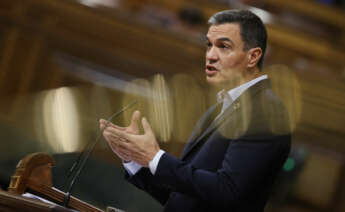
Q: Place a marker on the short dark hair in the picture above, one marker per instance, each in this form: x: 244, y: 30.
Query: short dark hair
x: 253, y: 31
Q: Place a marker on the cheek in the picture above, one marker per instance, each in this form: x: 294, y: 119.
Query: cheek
x: 233, y: 61
x: 228, y: 62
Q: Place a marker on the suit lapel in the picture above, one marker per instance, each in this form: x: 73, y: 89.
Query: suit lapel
x: 226, y: 115
x: 201, y: 126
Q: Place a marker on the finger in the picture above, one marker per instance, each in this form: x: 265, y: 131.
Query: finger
x: 117, y: 127
x: 106, y: 135
x: 101, y: 126
x: 119, y: 145
x: 122, y: 153
x: 117, y: 139
x: 146, y: 125
x: 125, y: 136
x: 109, y: 135
x: 113, y: 139
x: 118, y: 133
x: 103, y: 121
x: 108, y: 124
x: 134, y: 126
x: 123, y: 146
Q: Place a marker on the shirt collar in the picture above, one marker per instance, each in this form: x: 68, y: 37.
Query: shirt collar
x: 236, y: 92
x: 233, y: 94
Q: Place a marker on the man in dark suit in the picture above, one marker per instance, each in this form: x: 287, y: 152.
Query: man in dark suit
x: 238, y: 146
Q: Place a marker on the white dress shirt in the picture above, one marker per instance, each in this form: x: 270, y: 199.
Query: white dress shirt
x: 226, y: 97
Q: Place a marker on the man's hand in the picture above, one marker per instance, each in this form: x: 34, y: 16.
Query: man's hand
x: 140, y: 148
x: 112, y: 139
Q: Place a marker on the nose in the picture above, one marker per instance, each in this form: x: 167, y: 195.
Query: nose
x: 211, y: 55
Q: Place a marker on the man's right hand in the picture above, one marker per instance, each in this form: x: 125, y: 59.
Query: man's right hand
x: 112, y: 139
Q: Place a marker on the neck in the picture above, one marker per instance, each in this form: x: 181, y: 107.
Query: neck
x: 247, y: 76
x: 250, y: 75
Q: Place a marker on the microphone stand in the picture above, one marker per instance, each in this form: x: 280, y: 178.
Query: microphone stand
x: 88, y: 153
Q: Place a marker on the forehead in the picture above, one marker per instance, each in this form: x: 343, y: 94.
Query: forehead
x: 229, y: 30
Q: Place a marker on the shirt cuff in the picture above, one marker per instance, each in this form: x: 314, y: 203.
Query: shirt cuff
x: 154, y: 162
x: 132, y: 167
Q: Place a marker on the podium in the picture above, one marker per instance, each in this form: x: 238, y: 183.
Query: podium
x: 13, y: 203
x: 33, y: 174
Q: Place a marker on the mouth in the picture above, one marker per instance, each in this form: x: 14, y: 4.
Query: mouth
x: 210, y: 70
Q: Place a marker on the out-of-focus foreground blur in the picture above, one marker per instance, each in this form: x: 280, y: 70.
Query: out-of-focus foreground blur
x: 66, y: 63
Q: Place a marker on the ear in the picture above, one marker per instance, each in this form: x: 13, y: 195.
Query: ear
x: 254, y: 55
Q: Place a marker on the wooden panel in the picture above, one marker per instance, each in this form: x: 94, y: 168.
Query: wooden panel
x: 11, y: 203
x: 120, y: 42
x: 330, y: 15
x: 286, y: 37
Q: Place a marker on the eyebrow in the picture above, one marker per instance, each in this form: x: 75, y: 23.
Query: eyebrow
x: 226, y: 39
x: 221, y: 40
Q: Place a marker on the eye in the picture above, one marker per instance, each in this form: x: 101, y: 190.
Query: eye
x: 208, y: 44
x: 224, y: 46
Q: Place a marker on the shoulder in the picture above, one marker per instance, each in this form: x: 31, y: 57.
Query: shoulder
x: 271, y: 112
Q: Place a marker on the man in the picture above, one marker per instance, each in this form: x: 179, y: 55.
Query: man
x: 232, y: 156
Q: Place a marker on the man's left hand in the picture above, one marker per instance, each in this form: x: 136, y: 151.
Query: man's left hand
x: 140, y: 148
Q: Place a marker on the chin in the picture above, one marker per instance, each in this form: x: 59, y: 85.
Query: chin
x: 210, y: 80
x: 213, y: 81
x: 218, y: 83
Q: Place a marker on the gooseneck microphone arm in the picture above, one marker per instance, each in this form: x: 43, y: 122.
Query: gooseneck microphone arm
x: 88, y: 153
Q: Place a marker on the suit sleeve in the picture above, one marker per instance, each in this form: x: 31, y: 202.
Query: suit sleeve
x: 246, y: 165
x: 144, y: 180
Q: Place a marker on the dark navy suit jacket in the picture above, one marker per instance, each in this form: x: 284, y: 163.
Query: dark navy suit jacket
x: 229, y: 164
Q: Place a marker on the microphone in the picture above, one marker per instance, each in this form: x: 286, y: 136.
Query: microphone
x: 81, y: 163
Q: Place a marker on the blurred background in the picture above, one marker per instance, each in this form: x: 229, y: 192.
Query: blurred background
x: 64, y: 64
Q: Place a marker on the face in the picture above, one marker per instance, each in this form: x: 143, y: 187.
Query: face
x: 226, y: 61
